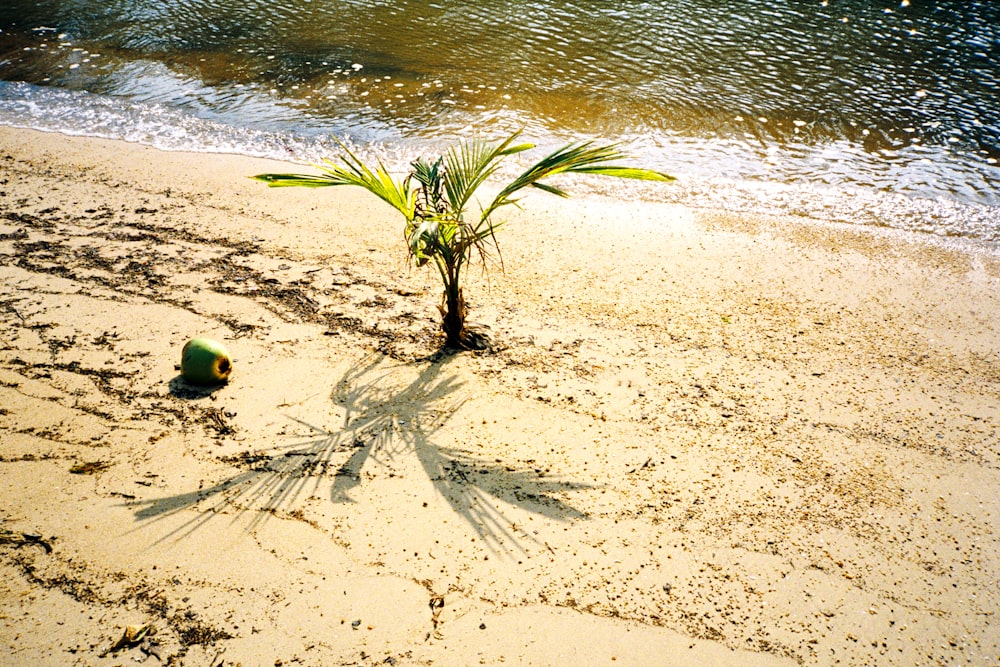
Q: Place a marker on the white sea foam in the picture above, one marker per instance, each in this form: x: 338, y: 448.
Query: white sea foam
x: 711, y: 173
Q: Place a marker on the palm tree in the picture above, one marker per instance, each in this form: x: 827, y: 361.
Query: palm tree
x: 434, y: 198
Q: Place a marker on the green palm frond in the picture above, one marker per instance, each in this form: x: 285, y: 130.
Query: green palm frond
x: 295, y: 180
x: 420, y: 238
x: 351, y: 171
x: 427, y: 174
x: 470, y: 163
x: 579, y: 158
x: 551, y: 189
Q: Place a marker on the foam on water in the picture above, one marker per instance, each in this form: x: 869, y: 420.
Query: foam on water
x: 712, y: 174
x: 868, y: 113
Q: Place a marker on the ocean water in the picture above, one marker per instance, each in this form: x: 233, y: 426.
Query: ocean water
x: 873, y: 112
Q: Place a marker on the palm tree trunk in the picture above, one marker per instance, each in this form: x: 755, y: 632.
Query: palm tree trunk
x: 453, y: 317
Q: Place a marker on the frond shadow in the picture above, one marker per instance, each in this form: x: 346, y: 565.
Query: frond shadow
x: 273, y: 481
x: 382, y: 421
x: 406, y: 420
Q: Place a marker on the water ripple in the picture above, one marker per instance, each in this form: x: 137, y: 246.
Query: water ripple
x: 885, y: 99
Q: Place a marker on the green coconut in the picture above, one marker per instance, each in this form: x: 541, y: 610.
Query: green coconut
x: 205, y: 361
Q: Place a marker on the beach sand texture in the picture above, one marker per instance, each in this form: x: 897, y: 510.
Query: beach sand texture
x: 703, y: 439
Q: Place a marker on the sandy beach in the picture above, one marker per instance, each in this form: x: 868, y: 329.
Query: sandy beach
x: 701, y: 438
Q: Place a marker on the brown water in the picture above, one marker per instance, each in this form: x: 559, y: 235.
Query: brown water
x: 870, y: 112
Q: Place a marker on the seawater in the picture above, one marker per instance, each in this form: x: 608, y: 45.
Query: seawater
x: 878, y: 112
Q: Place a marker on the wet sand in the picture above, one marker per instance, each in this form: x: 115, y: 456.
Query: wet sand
x: 700, y: 439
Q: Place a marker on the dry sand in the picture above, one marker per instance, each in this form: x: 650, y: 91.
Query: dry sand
x: 703, y: 439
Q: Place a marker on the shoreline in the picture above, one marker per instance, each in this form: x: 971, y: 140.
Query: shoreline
x: 960, y: 220
x: 704, y: 438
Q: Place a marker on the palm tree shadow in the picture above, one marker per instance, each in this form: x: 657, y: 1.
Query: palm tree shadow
x: 272, y: 480
x: 384, y: 420
x: 400, y: 421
